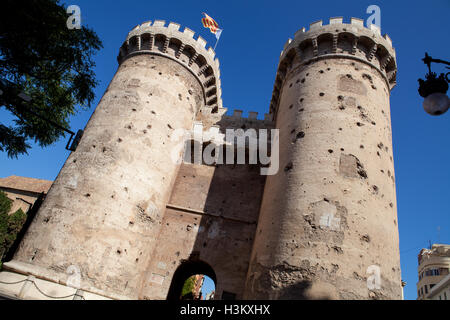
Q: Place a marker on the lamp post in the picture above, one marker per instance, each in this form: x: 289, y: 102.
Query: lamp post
x: 434, y: 89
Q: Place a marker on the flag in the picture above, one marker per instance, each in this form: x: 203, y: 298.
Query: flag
x: 218, y: 33
x: 211, y: 24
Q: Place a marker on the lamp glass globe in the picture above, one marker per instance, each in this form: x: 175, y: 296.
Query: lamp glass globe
x: 436, y: 104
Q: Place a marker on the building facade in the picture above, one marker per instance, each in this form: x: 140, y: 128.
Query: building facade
x: 128, y: 219
x: 23, y: 191
x: 434, y: 270
x: 441, y: 291
x: 198, y: 284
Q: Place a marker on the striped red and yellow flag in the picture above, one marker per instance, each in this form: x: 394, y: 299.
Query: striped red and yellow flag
x: 210, y: 23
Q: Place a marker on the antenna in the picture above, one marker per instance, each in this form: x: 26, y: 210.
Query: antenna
x: 439, y: 234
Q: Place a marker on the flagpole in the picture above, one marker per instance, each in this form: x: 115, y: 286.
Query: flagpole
x: 218, y: 38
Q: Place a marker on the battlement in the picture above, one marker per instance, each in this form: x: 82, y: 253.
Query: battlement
x: 337, y: 40
x: 235, y: 121
x: 245, y: 133
x: 181, y: 46
x: 356, y: 25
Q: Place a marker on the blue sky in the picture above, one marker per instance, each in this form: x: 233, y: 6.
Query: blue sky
x: 253, y: 36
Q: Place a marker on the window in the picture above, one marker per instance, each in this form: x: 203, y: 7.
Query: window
x: 445, y: 295
x: 431, y: 272
x: 426, y: 289
x: 431, y: 286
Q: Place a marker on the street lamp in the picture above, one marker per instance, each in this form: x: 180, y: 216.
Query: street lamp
x: 434, y: 89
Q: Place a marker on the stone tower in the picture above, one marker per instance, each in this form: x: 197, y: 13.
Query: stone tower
x: 134, y: 223
x: 104, y: 211
x: 328, y: 223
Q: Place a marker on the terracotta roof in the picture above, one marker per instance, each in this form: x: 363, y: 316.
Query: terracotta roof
x: 25, y: 184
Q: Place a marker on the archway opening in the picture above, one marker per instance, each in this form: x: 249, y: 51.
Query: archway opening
x: 193, y: 280
x: 198, y: 287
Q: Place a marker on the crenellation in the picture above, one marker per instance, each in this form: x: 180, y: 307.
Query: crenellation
x: 337, y: 40
x: 237, y: 121
x: 287, y: 43
x: 205, y: 133
x: 173, y: 26
x: 375, y: 29
x: 211, y: 52
x: 201, y: 42
x: 252, y: 115
x: 208, y: 119
x: 268, y: 117
x: 182, y: 47
x: 336, y: 20
x: 297, y: 34
x: 219, y: 93
x: 159, y: 23
x: 357, y: 22
x: 237, y: 114
x: 315, y: 25
x: 388, y: 39
x: 188, y: 32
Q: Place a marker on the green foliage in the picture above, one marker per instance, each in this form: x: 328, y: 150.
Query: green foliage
x: 50, y: 63
x: 5, y: 203
x: 188, y: 286
x: 10, y: 225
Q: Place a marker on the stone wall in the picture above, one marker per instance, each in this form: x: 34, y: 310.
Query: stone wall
x: 212, y: 213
